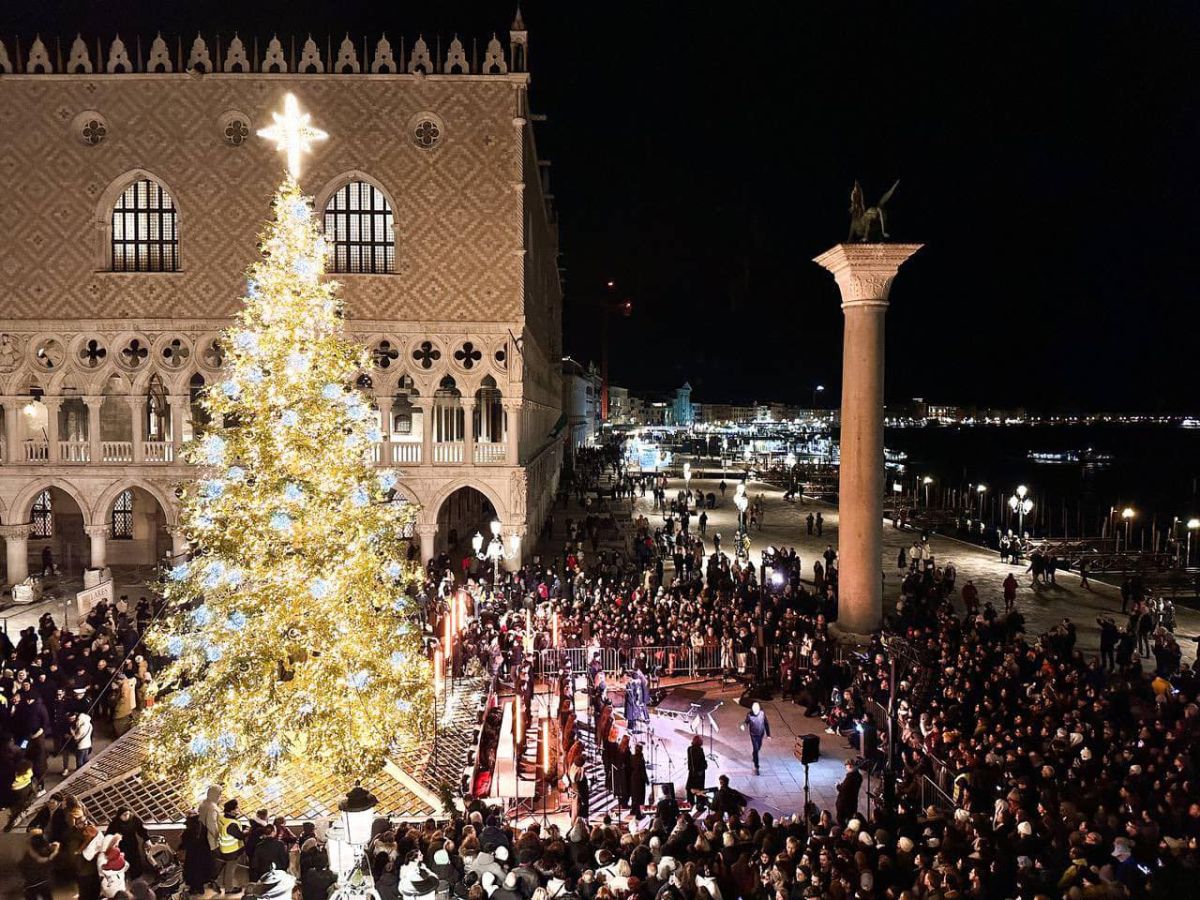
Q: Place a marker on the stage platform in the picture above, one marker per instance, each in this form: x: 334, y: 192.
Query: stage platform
x: 779, y: 789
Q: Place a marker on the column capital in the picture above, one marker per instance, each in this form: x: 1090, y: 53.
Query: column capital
x: 11, y: 402
x: 16, y: 532
x: 864, y: 272
x: 467, y: 402
x: 423, y: 403
x: 94, y: 401
x: 512, y: 402
x: 97, y: 531
x: 426, y: 529
x: 135, y: 400
x: 53, y: 403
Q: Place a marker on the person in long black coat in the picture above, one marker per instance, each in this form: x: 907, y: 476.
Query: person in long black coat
x: 197, y: 857
x: 639, y: 780
x: 697, y: 765
x: 133, y: 840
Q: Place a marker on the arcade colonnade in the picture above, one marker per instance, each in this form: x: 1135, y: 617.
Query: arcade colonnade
x: 131, y: 515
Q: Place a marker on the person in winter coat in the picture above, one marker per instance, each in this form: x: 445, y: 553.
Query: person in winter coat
x: 269, y: 852
x: 210, y: 818
x: 316, y: 877
x: 81, y: 737
x: 37, y: 867
x: 697, y: 765
x: 133, y: 840
x: 124, y: 703
x: 197, y: 856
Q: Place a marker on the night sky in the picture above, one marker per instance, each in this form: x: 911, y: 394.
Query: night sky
x: 703, y: 154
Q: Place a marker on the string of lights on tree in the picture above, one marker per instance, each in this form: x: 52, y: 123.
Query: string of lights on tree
x: 290, y: 633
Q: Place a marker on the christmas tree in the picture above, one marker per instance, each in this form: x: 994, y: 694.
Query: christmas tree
x: 290, y: 632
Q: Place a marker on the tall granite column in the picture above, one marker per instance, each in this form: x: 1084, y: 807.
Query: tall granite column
x: 864, y: 274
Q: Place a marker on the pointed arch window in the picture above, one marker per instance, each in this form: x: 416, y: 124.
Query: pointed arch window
x: 145, y: 229
x: 122, y: 516
x: 42, y: 515
x: 358, y: 230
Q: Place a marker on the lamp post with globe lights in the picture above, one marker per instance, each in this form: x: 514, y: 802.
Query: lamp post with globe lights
x: 980, y: 490
x: 1192, y: 525
x: 927, y: 481
x: 495, y: 551
x: 819, y: 389
x: 687, y: 481
x: 1022, y: 506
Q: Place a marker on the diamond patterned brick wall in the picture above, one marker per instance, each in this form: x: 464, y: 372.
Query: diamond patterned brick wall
x: 458, y: 208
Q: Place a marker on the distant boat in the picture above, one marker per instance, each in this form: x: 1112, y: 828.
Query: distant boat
x: 1087, y: 457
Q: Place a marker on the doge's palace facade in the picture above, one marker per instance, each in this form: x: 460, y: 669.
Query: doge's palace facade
x: 134, y: 189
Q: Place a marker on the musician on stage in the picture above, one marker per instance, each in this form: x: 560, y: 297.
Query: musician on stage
x: 639, y: 780
x: 581, y: 792
x: 697, y: 764
x: 758, y: 726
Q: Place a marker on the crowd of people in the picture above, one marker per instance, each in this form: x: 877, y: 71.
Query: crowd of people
x: 1022, y: 766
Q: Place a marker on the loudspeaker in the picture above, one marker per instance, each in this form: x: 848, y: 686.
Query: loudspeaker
x: 808, y: 748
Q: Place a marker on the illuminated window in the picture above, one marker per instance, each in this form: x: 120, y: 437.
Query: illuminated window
x: 122, y: 516
x: 43, y: 516
x: 358, y: 230
x: 145, y: 236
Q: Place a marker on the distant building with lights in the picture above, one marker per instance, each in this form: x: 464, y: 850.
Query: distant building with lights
x: 134, y: 189
x: 581, y: 403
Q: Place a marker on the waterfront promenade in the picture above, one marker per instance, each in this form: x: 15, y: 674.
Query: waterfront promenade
x: 1042, y: 606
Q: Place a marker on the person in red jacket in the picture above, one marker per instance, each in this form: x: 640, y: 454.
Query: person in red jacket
x: 1010, y: 592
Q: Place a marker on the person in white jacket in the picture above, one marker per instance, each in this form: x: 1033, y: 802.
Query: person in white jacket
x: 81, y: 736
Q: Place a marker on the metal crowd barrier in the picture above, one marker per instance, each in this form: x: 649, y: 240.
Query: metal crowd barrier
x: 676, y: 660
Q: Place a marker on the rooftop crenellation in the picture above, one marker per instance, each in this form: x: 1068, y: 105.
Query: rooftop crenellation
x: 231, y: 54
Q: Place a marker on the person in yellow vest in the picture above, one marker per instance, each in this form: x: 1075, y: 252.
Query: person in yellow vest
x: 231, y: 844
x: 22, y: 792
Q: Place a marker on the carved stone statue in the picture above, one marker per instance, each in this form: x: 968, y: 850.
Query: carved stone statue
x: 863, y: 217
x: 9, y: 350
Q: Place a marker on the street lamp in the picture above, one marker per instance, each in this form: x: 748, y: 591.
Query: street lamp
x: 1127, y: 514
x: 741, y: 501
x: 1192, y: 525
x: 980, y: 490
x: 495, y: 551
x: 927, y: 481
x: 347, y: 842
x: 1021, y: 505
x: 687, y: 480
x: 820, y: 388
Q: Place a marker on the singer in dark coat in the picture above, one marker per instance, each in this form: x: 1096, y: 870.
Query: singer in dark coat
x: 697, y: 764
x: 639, y: 780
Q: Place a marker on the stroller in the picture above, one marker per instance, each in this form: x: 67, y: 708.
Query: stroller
x: 167, y: 872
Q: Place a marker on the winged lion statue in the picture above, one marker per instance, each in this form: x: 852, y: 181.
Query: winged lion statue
x: 864, y: 218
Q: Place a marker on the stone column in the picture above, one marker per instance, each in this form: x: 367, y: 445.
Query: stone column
x: 99, y: 536
x: 179, y: 403
x: 53, y: 405
x: 137, y: 406
x: 12, y: 439
x: 95, y: 450
x: 179, y: 544
x: 428, y: 536
x: 16, y: 546
x: 864, y: 274
x: 385, y: 403
x: 426, y: 406
x: 513, y: 563
x: 512, y: 433
x: 468, y: 407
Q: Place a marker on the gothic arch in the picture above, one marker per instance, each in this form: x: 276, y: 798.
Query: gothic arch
x: 23, y: 502
x: 166, y: 501
x: 104, y: 208
x: 429, y: 514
